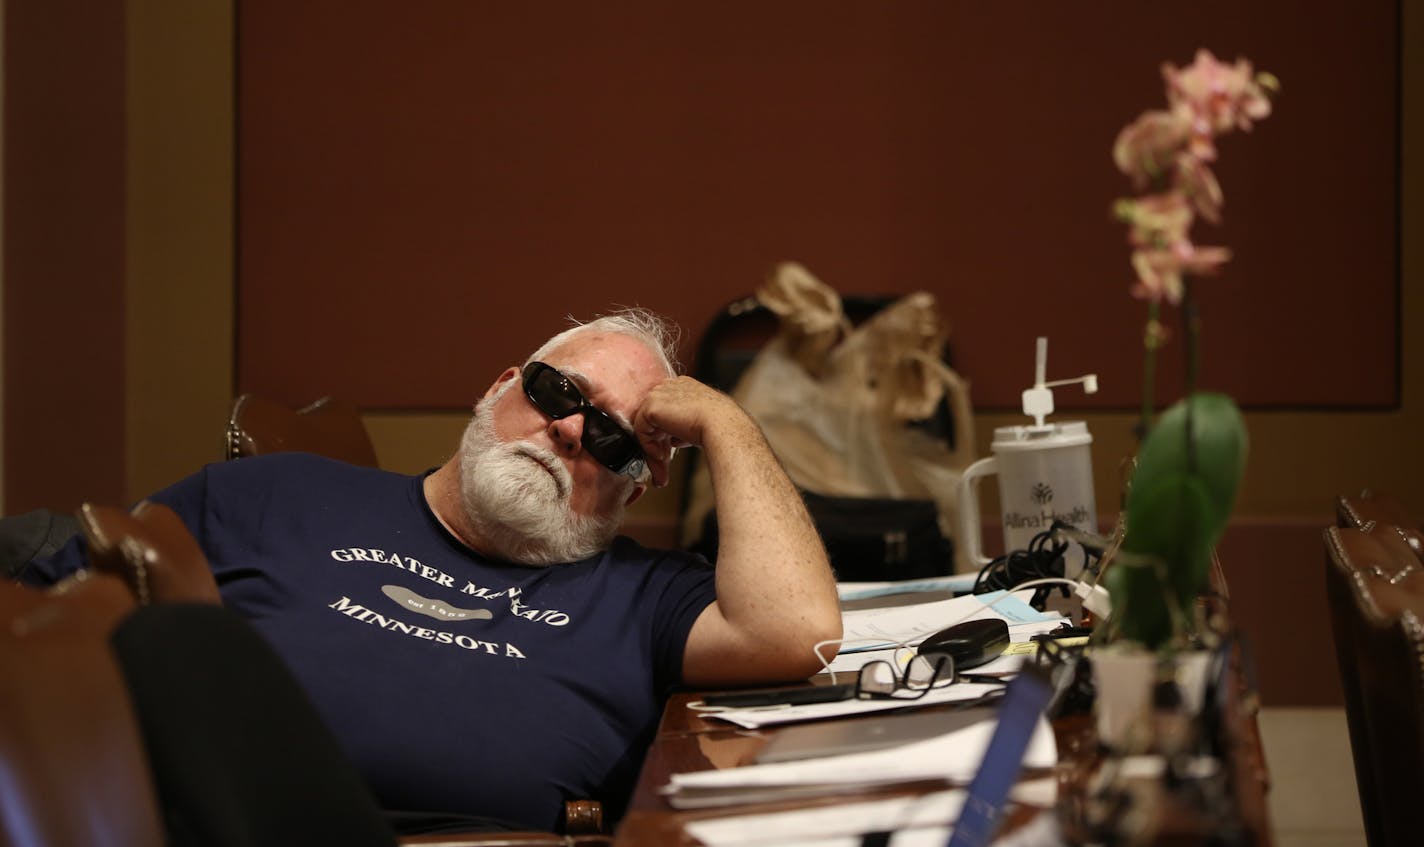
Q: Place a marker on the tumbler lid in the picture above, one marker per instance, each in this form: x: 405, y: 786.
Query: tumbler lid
x: 1038, y: 400
x: 1046, y: 437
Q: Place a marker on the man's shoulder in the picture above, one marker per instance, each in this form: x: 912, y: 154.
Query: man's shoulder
x: 624, y: 548
x: 627, y: 554
x: 269, y: 474
x: 294, y: 463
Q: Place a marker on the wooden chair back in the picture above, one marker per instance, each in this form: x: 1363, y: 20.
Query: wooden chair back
x: 1370, y: 508
x: 1375, y: 587
x: 151, y: 550
x: 72, y: 760
x: 328, y: 427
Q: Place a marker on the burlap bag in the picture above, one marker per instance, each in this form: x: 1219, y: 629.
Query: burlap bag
x: 836, y: 401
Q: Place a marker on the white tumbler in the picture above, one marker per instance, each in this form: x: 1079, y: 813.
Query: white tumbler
x: 1045, y: 473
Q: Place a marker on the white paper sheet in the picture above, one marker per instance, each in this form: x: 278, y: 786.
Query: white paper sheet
x: 963, y: 582
x: 932, y: 836
x: 847, y: 819
x: 846, y: 822
x: 899, y: 656
x: 954, y: 756
x: 872, y: 629
x: 773, y: 715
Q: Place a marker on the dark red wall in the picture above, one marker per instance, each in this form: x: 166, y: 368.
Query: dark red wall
x: 426, y: 189
x: 64, y: 253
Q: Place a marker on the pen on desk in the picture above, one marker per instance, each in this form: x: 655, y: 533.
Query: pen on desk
x: 781, y: 696
x: 992, y: 678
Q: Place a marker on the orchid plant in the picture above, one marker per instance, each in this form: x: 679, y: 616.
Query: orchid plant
x: 1191, y: 460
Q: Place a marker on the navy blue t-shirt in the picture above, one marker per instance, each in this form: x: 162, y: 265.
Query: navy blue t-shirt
x: 455, y: 683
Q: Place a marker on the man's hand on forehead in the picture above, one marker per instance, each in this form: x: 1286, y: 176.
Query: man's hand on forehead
x: 658, y: 451
x: 658, y: 445
x: 680, y: 412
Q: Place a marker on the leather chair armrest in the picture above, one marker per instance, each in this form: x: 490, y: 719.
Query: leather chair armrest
x: 583, y: 825
x: 583, y: 817
x: 1369, y: 510
x: 505, y: 839
x: 72, y: 764
x: 328, y: 427
x: 149, y: 549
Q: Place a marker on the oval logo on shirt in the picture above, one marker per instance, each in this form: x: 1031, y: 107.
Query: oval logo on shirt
x: 437, y: 609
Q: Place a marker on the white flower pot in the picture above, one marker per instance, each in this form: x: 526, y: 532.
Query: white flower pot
x: 1124, y: 680
x: 1122, y: 700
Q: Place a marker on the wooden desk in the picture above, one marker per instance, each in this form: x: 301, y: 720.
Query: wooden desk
x: 688, y: 742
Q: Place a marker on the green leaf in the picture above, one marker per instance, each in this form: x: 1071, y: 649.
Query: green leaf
x: 1174, y: 520
x: 1217, y: 456
x: 1180, y: 500
x: 1140, y: 610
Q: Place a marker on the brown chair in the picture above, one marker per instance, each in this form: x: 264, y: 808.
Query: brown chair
x: 151, y: 551
x: 1368, y: 508
x: 72, y: 765
x: 1375, y: 586
x: 328, y: 427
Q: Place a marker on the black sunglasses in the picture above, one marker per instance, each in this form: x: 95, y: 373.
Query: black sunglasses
x: 603, y: 437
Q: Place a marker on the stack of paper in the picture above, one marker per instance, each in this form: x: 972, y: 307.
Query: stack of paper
x: 876, y: 633
x: 920, y: 820
x: 847, y: 821
x: 752, y: 718
x: 959, y: 583
x: 953, y: 756
x: 872, y: 629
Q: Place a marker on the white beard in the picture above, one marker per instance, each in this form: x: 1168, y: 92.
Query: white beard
x: 519, y: 510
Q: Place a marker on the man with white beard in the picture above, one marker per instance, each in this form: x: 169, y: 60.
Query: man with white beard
x: 478, y: 638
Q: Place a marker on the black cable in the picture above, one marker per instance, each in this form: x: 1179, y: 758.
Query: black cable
x: 1042, y: 559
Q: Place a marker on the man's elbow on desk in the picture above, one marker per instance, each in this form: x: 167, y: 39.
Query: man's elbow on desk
x: 719, y: 654
x: 807, y: 659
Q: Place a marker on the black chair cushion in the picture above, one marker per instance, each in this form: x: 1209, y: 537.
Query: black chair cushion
x: 33, y: 535
x: 239, y: 755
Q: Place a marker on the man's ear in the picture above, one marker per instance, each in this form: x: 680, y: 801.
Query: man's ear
x: 509, y: 373
x: 635, y: 494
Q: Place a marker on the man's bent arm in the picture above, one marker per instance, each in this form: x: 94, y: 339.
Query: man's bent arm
x: 776, y: 595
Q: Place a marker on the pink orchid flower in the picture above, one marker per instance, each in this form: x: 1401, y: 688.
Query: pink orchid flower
x: 1157, y: 220
x: 1195, y: 180
x: 1146, y: 147
x: 1204, y: 100
x: 1160, y: 269
x: 1216, y: 97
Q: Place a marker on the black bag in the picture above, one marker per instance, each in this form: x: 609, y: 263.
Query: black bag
x: 33, y: 535
x: 869, y: 539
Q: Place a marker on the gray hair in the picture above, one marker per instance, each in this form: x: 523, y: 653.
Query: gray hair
x: 657, y: 333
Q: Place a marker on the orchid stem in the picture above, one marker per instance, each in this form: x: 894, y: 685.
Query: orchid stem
x: 1151, y: 340
x: 1191, y: 318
